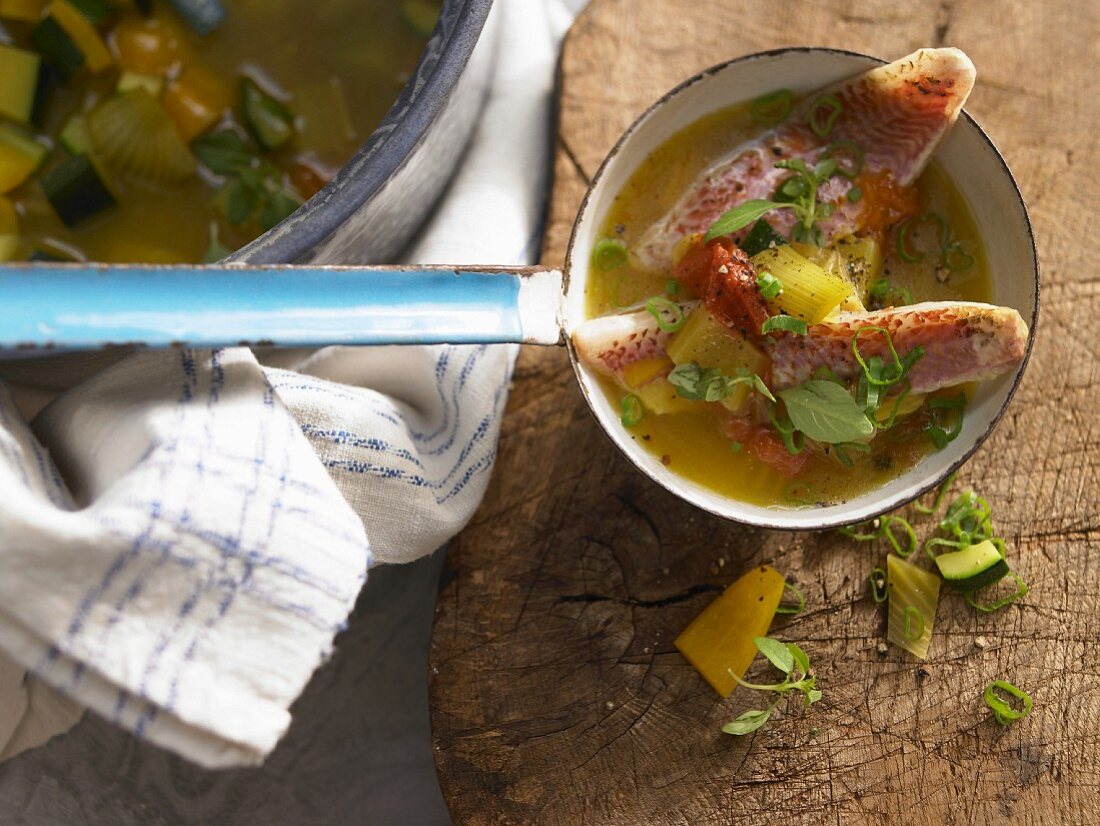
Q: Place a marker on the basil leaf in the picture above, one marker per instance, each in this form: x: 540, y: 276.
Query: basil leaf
x: 223, y: 153
x: 741, y: 216
x: 748, y: 722
x: 776, y: 652
x: 801, y: 659
x: 826, y: 412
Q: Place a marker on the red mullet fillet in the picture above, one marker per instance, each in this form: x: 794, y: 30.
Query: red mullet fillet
x: 897, y: 113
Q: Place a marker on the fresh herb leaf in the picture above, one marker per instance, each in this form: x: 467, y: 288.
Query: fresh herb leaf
x: 826, y: 412
x: 777, y: 653
x: 741, y: 216
x: 801, y: 659
x: 240, y: 202
x: 748, y: 722
x: 709, y: 384
x: 222, y: 152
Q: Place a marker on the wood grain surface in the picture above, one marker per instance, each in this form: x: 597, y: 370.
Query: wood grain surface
x: 557, y: 694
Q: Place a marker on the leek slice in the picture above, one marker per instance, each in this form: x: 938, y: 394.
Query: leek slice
x: 914, y: 594
x: 809, y: 292
x: 133, y: 134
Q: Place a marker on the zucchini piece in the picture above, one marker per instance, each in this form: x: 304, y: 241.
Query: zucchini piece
x: 74, y: 136
x: 95, y: 10
x: 809, y: 292
x: 76, y: 191
x: 29, y: 11
x: 20, y: 70
x: 762, y: 236
x: 57, y: 48
x: 269, y: 121
x: 974, y: 567
x: 201, y: 15
x: 131, y: 133
x: 720, y: 639
x: 913, y: 594
x: 97, y: 56
x: 9, y: 229
x: 20, y: 156
x: 129, y: 81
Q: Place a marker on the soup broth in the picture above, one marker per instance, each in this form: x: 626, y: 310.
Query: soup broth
x: 695, y: 439
x: 323, y: 75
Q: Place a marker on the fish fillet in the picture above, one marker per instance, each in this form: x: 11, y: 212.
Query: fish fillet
x: 897, y: 113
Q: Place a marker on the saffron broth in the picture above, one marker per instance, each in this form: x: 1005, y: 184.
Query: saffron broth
x: 695, y: 441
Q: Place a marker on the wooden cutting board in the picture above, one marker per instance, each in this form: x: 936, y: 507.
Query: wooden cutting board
x: 557, y: 695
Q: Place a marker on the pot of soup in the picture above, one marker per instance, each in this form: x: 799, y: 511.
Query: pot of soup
x: 800, y: 292
x: 167, y: 131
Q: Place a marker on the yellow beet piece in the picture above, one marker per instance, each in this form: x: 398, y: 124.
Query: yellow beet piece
x: 720, y: 639
x: 709, y: 343
x: 660, y: 398
x: 644, y: 371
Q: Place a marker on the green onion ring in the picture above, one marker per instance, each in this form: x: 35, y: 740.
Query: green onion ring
x: 896, y: 366
x: 876, y: 582
x: 772, y: 108
x: 911, y: 612
x: 856, y: 155
x: 633, y: 410
x: 609, y: 254
x: 792, y: 609
x: 823, y: 114
x: 910, y: 534
x: 786, y: 323
x: 1021, y: 590
x: 1004, y: 713
x: 941, y: 492
x: 670, y: 315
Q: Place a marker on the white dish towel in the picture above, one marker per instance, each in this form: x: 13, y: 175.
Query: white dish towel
x: 183, y: 533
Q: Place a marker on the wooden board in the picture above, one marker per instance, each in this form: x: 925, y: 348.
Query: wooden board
x: 557, y: 694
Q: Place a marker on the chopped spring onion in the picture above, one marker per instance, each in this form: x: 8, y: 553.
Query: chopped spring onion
x: 800, y: 601
x: 857, y: 532
x: 670, y: 315
x: 910, y: 536
x: 889, y: 294
x: 801, y: 493
x: 772, y: 108
x: 914, y: 623
x: 855, y: 194
x: 876, y: 584
x: 793, y: 440
x: 633, y: 411
x: 913, y: 592
x: 1003, y: 711
x: 996, y: 605
x: 886, y: 375
x: 769, y: 285
x: 941, y: 492
x: 609, y: 254
x: 849, y: 151
x: 736, y: 447
x: 947, y: 419
x: 823, y: 114
x: 905, y: 251
x: 785, y: 323
x: 954, y: 257
x: 672, y: 287
x: 840, y: 449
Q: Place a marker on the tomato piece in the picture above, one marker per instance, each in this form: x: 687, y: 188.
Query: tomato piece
x: 769, y: 449
x: 732, y: 295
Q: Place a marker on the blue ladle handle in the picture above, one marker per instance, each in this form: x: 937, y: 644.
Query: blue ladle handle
x: 88, y: 306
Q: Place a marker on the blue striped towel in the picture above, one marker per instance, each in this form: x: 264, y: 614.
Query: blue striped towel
x: 183, y: 533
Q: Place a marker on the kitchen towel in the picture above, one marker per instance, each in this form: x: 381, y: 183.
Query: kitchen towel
x: 183, y: 533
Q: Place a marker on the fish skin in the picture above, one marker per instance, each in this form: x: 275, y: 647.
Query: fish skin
x: 611, y: 342
x: 963, y: 342
x: 897, y: 113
